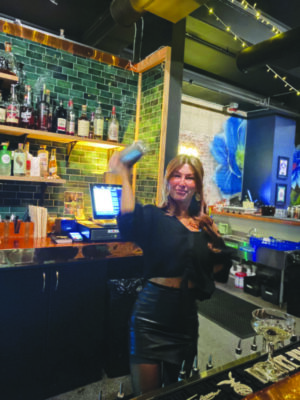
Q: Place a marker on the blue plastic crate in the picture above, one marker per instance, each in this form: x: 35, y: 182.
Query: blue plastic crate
x: 272, y: 243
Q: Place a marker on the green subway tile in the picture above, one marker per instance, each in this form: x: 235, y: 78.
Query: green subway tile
x: 64, y: 84
x: 82, y: 61
x: 66, y: 64
x: 74, y: 79
x: 61, y: 90
x: 69, y: 72
x: 89, y: 83
x: 80, y: 68
x: 79, y: 87
x: 34, y: 55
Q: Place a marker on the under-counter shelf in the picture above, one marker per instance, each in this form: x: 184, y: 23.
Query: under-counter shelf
x: 31, y: 179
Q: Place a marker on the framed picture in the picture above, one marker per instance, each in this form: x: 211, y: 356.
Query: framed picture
x: 282, y: 167
x: 280, y: 194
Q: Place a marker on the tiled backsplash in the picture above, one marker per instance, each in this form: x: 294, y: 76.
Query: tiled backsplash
x: 86, y: 81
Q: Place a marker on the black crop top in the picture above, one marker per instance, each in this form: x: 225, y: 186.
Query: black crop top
x: 172, y: 250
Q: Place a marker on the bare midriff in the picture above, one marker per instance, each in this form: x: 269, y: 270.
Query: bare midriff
x: 171, y: 282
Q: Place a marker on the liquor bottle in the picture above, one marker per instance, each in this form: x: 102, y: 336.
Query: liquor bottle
x: 49, y: 101
x: 2, y: 110
x: 27, y: 117
x: 13, y: 108
x: 53, y: 164
x: 61, y: 118
x: 5, y: 160
x: 43, y: 155
x: 19, y: 161
x: 83, y: 123
x: 28, y: 159
x: 91, y: 130
x: 43, y: 110
x: 71, y: 119
x: 98, y: 122
x: 113, y: 126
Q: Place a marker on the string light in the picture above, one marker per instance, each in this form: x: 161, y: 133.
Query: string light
x: 263, y: 20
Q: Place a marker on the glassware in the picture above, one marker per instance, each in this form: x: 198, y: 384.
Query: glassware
x: 275, y: 326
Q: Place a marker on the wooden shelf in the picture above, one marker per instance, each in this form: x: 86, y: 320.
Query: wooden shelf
x: 58, y: 137
x: 31, y: 179
x: 253, y: 217
x: 8, y: 77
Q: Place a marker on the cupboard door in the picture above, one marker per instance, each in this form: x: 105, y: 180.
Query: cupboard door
x: 76, y: 324
x: 23, y: 321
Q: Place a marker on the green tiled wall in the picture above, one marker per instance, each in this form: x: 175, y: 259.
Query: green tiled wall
x: 86, y: 81
x: 149, y: 132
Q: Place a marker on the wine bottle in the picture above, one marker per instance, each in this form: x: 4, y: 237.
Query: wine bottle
x: 27, y: 117
x: 83, y: 123
x: 113, y: 126
x: 43, y: 110
x: 98, y: 122
x: 71, y: 119
x: 19, y: 161
x: 61, y: 118
x: 13, y: 108
x: 2, y: 110
x: 53, y: 164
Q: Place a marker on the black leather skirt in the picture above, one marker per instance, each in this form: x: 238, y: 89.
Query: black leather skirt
x: 164, y: 325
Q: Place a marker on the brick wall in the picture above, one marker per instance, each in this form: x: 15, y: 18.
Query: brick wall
x: 86, y: 81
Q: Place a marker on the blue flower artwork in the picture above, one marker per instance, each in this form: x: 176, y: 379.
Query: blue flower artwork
x: 295, y: 183
x: 228, y: 149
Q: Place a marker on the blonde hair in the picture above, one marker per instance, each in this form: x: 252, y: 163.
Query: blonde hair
x: 173, y: 165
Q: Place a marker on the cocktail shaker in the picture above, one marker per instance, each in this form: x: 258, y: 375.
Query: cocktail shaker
x: 131, y: 154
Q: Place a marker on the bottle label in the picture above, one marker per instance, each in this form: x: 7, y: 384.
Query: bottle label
x: 5, y: 159
x: 2, y: 115
x: 98, y: 127
x: 12, y: 114
x: 26, y: 116
x: 83, y: 128
x: 113, y: 132
x: 19, y: 163
x: 61, y: 124
x: 71, y: 127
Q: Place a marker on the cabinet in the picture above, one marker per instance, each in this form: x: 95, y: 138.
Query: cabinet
x: 52, y: 328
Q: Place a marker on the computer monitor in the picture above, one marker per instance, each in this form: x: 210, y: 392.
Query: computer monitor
x: 106, y: 200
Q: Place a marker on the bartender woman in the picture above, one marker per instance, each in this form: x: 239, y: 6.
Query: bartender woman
x: 183, y: 255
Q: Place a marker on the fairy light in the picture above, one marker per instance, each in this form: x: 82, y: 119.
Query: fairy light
x: 283, y: 79
x: 264, y: 20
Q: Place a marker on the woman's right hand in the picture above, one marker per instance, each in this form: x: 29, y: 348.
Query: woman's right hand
x: 115, y: 164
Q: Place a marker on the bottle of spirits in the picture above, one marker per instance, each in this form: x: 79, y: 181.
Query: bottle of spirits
x: 92, y: 120
x: 19, y: 161
x: 53, y: 164
x: 71, y: 119
x: 2, y: 110
x: 83, y: 123
x: 28, y: 159
x: 98, y: 122
x: 43, y: 110
x: 61, y: 118
x: 5, y: 160
x: 49, y: 101
x: 13, y: 108
x: 27, y: 117
x: 43, y: 155
x: 113, y: 126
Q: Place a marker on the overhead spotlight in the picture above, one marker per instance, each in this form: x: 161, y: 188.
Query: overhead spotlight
x: 232, y: 108
x: 54, y: 2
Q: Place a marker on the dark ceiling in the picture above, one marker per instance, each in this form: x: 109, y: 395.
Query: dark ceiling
x: 210, y: 68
